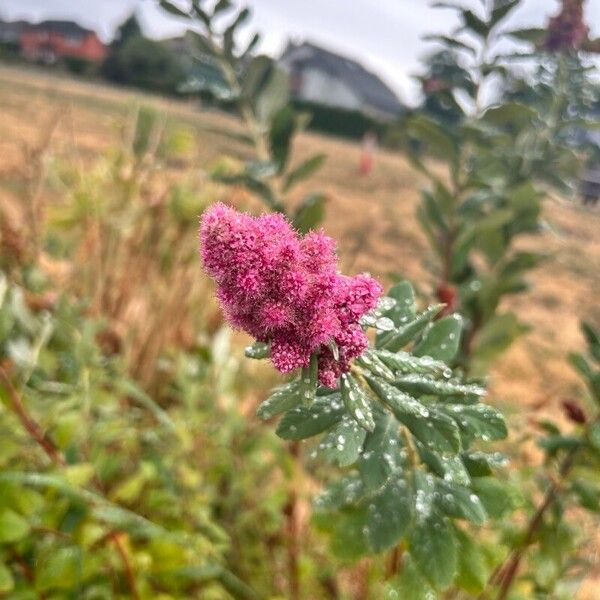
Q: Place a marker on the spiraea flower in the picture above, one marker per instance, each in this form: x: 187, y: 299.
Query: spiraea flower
x: 285, y: 289
x: 567, y: 30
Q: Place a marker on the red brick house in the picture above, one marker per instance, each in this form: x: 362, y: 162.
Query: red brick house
x: 50, y: 41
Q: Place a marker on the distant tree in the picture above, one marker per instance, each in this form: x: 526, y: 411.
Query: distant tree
x: 130, y: 28
x: 140, y: 62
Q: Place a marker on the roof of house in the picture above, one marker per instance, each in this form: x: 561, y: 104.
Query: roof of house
x: 62, y: 27
x: 366, y: 84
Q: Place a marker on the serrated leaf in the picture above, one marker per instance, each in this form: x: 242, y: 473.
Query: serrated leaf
x: 387, y: 514
x: 422, y: 385
x: 357, y: 402
x: 303, y: 422
x: 477, y: 421
x: 381, y: 455
x: 370, y: 361
x: 283, y: 398
x: 460, y: 502
x: 343, y: 444
x: 433, y: 548
x: 394, y: 340
x: 429, y: 426
x: 403, y: 363
x: 442, y: 340
x: 344, y: 492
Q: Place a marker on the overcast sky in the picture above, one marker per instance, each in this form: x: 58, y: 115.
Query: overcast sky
x: 383, y: 34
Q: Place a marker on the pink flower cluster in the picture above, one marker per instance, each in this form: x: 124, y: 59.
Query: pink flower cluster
x: 285, y: 289
x: 567, y: 30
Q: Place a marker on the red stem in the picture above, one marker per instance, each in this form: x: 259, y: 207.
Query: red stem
x: 31, y: 426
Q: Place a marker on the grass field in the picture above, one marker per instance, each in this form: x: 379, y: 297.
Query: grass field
x: 372, y: 218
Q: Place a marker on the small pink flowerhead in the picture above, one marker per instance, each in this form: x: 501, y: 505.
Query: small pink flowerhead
x: 285, y: 289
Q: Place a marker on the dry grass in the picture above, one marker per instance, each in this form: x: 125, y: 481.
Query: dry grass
x: 372, y: 218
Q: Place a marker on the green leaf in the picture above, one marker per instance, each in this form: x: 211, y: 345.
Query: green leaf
x: 477, y: 421
x: 495, y: 336
x: 451, y: 42
x: 498, y: 499
x: 357, y: 402
x: 460, y: 502
x: 475, y: 24
x: 222, y: 6
x: 282, y: 129
x: 303, y: 170
x: 420, y: 385
x: 13, y: 527
x: 387, y: 514
x: 7, y: 583
x: 442, y: 340
x: 429, y: 426
x: 344, y: 492
x: 409, y: 584
x: 271, y: 102
x: 309, y: 213
x: 473, y: 571
x: 304, y: 422
x: 512, y: 114
x: 256, y: 76
x: 405, y: 308
x: 433, y: 548
x: 381, y: 456
x: 343, y: 444
x: 173, y: 9
x: 394, y: 340
x: 531, y: 35
x: 405, y: 363
x: 480, y: 464
x: 258, y: 350
x: 501, y: 11
x: 283, y: 398
x: 592, y: 338
x: 229, y: 33
x: 59, y: 569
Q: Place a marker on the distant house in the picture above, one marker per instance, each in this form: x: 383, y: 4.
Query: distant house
x: 320, y: 76
x: 10, y: 32
x: 50, y: 41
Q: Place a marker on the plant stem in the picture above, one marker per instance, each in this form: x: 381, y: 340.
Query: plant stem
x: 115, y: 537
x: 507, y: 573
x: 292, y: 530
x: 29, y: 424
